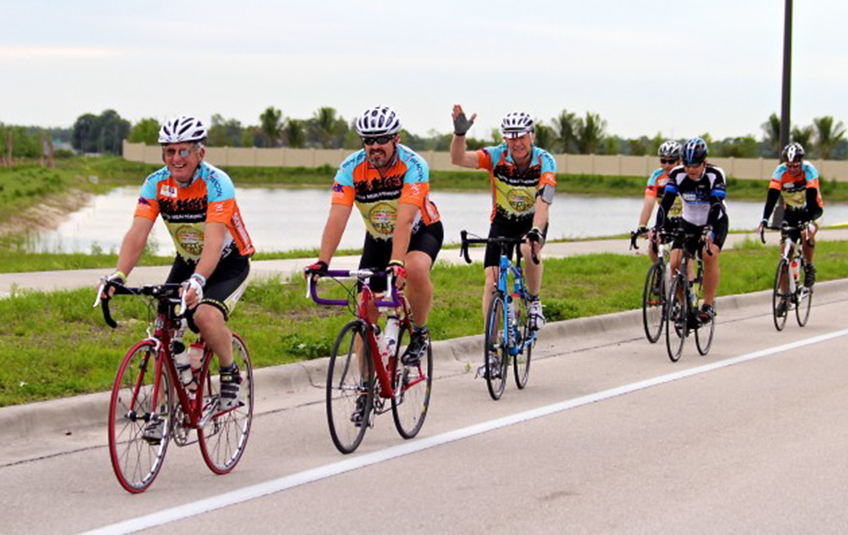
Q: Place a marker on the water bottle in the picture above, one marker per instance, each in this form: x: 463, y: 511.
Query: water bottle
x: 180, y: 353
x: 390, y: 337
x: 796, y: 269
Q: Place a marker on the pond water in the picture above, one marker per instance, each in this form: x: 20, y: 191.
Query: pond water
x: 281, y: 219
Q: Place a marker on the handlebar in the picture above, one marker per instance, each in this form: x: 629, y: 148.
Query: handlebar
x: 785, y: 228
x: 162, y: 292
x: 502, y: 241
x: 312, y: 287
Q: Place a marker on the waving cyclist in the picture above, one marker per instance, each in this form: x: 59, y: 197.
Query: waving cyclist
x: 197, y: 202
x: 702, y: 186
x: 523, y: 179
x: 797, y: 180
x: 669, y: 153
x: 388, y: 182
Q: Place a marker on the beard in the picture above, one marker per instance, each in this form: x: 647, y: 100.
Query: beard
x: 378, y: 158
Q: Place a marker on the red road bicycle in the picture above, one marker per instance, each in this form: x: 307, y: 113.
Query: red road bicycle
x: 147, y: 389
x: 362, y: 383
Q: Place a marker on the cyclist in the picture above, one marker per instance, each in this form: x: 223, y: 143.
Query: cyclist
x: 388, y: 182
x: 702, y: 187
x: 669, y: 153
x: 523, y: 179
x: 797, y: 180
x: 197, y: 203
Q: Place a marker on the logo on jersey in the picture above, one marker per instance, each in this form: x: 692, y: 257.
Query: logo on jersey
x: 168, y: 191
x: 190, y: 239
x: 382, y: 218
x: 520, y: 200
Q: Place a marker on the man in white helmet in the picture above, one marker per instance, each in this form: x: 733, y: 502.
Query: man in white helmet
x: 197, y: 203
x: 389, y: 183
x: 669, y: 153
x: 523, y: 179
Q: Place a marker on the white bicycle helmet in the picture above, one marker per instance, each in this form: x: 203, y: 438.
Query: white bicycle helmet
x: 670, y: 149
x: 517, y: 124
x: 182, y: 129
x: 378, y: 121
x: 794, y: 152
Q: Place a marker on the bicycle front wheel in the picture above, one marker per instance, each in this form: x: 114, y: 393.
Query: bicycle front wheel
x: 804, y: 296
x: 224, y: 437
x: 350, y: 392
x: 525, y: 338
x: 653, y: 301
x: 411, y: 385
x: 496, y: 352
x: 676, y: 319
x: 704, y: 335
x: 136, y: 460
x: 780, y: 296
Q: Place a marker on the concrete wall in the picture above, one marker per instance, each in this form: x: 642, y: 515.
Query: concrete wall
x: 573, y: 164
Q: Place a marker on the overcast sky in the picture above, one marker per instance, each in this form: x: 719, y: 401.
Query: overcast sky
x: 679, y: 68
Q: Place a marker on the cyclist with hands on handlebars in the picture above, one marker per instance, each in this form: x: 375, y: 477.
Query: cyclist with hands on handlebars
x: 389, y: 183
x: 197, y: 203
x: 523, y: 179
x: 669, y: 153
x: 702, y: 187
x: 797, y: 181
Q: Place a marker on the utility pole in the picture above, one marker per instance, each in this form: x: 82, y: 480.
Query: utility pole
x: 787, y: 75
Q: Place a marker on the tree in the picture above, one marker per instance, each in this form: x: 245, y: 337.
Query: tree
x: 804, y: 136
x: 590, y: 133
x: 225, y: 132
x: 145, y: 131
x: 771, y: 135
x: 271, y: 123
x: 545, y: 137
x: 738, y: 147
x: 295, y: 133
x: 828, y: 135
x: 565, y: 125
x: 327, y: 129
x: 100, y: 133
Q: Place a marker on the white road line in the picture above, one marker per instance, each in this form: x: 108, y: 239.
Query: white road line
x: 323, y: 472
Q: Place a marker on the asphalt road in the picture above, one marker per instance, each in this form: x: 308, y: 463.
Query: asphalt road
x: 609, y: 437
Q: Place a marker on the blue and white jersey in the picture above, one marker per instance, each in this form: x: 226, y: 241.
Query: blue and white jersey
x: 698, y: 194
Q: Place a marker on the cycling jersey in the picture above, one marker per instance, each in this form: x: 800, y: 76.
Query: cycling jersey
x: 703, y: 199
x: 377, y: 197
x: 513, y: 191
x: 208, y: 198
x: 793, y: 189
x: 656, y: 189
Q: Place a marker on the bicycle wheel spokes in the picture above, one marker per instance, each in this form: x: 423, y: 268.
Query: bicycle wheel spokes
x: 676, y: 319
x: 411, y: 385
x: 804, y: 296
x: 780, y: 297
x: 349, y: 392
x: 224, y: 436
x: 136, y: 460
x: 496, y: 352
x: 653, y: 302
x: 524, y: 341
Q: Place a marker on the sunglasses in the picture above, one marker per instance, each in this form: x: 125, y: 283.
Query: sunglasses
x: 664, y: 161
x: 381, y: 140
x: 170, y: 153
x: 793, y: 165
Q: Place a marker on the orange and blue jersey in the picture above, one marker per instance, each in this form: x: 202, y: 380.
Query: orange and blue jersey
x: 377, y: 197
x: 793, y: 188
x: 656, y: 188
x: 513, y: 191
x: 208, y: 198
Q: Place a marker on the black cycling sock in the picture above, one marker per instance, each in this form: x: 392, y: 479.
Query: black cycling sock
x: 532, y: 297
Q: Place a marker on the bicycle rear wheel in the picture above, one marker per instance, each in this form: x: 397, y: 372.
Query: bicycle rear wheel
x: 411, y: 385
x: 136, y: 461
x: 804, y: 296
x: 525, y: 338
x: 495, y: 351
x: 653, y: 301
x: 224, y: 437
x: 350, y: 375
x: 676, y: 320
x: 780, y: 298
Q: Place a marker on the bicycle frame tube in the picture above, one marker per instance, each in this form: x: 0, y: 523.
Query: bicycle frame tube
x: 380, y: 368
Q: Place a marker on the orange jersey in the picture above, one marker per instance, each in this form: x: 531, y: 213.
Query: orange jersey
x: 513, y: 191
x: 377, y: 197
x: 209, y: 197
x: 793, y: 189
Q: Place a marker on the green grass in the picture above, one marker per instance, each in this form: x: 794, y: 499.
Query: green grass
x: 54, y: 344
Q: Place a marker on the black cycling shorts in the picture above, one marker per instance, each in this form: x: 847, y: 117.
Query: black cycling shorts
x: 376, y: 254
x: 720, y: 231
x: 226, y: 285
x: 793, y: 218
x: 506, y: 229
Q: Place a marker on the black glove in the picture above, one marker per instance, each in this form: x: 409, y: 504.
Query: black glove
x: 318, y: 268
x: 535, y: 235
x: 461, y: 125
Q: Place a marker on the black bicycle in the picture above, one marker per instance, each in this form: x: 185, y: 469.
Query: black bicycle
x: 654, y: 293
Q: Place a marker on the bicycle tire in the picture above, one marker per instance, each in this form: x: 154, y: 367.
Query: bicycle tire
x: 804, y: 300
x: 654, y: 302
x: 349, y: 375
x: 704, y: 334
x: 495, y: 351
x: 676, y: 323
x: 781, y: 278
x: 524, y: 335
x: 224, y: 437
x: 411, y: 386
x: 135, y: 461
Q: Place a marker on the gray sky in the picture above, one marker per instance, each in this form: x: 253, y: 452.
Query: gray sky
x: 679, y: 68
